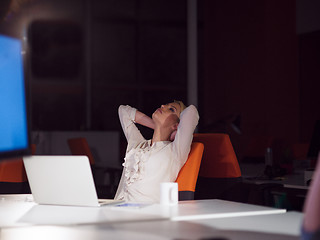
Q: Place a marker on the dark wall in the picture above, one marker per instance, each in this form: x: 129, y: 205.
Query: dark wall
x: 250, y: 68
x: 309, y: 66
x: 86, y: 57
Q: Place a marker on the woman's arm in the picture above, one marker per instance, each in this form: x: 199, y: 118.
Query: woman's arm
x: 127, y: 118
x: 188, y: 121
x: 311, y: 221
x: 144, y: 120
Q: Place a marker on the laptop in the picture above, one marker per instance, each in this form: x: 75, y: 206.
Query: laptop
x: 63, y: 180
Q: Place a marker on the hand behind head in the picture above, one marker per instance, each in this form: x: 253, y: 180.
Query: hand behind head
x: 173, y: 135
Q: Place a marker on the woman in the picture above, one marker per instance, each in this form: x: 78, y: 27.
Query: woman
x: 311, y: 222
x: 150, y: 162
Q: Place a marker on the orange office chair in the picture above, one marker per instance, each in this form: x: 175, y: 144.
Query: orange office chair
x: 12, y: 171
x: 188, y: 175
x: 219, y: 170
x: 80, y: 146
x: 13, y: 178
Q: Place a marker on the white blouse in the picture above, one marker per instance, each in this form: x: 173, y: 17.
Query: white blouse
x: 146, y: 166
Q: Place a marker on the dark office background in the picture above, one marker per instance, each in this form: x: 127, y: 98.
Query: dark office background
x: 258, y: 63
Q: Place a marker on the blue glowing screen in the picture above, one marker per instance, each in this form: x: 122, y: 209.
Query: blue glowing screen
x: 13, y: 116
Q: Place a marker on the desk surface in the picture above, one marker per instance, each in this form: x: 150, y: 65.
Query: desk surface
x: 207, y: 219
x: 20, y: 210
x: 210, y: 229
x: 17, y: 210
x: 288, y: 223
x: 205, y: 209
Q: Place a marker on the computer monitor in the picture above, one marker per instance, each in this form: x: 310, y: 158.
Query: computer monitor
x: 14, y: 130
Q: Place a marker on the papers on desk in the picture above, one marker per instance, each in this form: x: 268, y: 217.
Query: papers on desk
x: 66, y: 215
x: 20, y: 210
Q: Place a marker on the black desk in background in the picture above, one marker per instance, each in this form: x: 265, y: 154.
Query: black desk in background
x: 288, y: 191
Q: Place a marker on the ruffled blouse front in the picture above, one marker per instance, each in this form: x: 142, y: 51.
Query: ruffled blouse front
x: 134, y: 163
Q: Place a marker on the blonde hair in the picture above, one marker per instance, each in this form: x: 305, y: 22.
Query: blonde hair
x: 181, y: 104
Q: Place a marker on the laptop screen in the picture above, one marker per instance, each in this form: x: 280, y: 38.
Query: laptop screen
x: 14, y: 135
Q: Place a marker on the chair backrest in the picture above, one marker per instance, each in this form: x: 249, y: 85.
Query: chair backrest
x: 188, y: 175
x: 219, y: 159
x: 80, y: 146
x: 13, y: 170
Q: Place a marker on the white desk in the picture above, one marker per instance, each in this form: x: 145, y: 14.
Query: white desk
x: 273, y: 226
x: 20, y: 210
x: 21, y: 218
x: 287, y: 224
x: 157, y: 230
x: 205, y: 209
